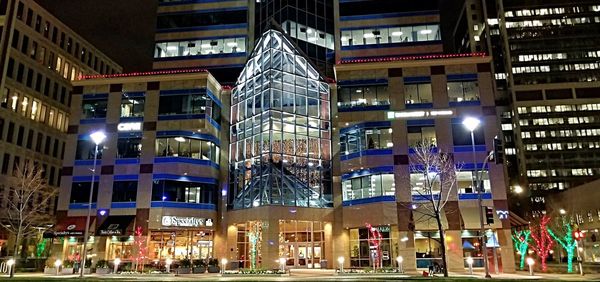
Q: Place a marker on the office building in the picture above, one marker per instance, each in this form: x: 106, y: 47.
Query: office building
x: 39, y: 56
x: 287, y: 164
x: 546, y: 67
x: 158, y: 169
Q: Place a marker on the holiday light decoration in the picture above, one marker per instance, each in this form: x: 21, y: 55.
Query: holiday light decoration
x: 521, y: 239
x: 254, y: 237
x: 141, y: 250
x: 411, y: 58
x: 132, y: 74
x: 543, y: 240
x: 374, y: 240
x: 566, y: 241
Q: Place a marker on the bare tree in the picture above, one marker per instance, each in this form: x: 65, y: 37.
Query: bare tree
x: 28, y: 198
x: 436, y: 184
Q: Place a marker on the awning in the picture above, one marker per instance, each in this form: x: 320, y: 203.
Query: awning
x: 68, y: 226
x: 115, y: 225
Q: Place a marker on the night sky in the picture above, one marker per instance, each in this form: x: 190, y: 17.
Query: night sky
x: 122, y: 29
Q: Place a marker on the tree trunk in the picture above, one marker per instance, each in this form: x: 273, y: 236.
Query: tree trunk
x: 570, y: 254
x: 442, y: 242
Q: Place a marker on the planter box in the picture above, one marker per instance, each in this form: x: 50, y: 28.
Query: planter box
x: 67, y: 270
x: 200, y: 269
x: 213, y: 269
x: 50, y: 270
x: 183, y: 270
x: 103, y: 270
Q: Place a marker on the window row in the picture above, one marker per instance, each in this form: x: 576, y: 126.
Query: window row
x: 562, y: 146
x: 200, y: 47
x: 34, y: 109
x: 553, y: 22
x: 36, y: 81
x: 365, y: 139
x: 308, y: 34
x: 131, y: 147
x: 48, y: 147
x: 559, y: 108
x: 7, y: 195
x: 387, y: 35
x: 368, y: 186
x: 65, y: 42
x: 562, y: 172
x: 360, y: 96
x: 422, y: 183
x: 561, y: 133
x: 50, y: 174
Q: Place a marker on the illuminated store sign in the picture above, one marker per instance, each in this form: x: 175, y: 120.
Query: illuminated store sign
x: 129, y: 126
x: 419, y: 114
x: 185, y: 221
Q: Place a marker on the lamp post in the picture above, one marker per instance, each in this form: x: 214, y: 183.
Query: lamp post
x: 399, y: 260
x: 341, y: 263
x: 98, y: 137
x: 116, y: 263
x: 223, y: 264
x: 168, y: 263
x: 57, y: 264
x: 11, y: 263
x: 530, y: 262
x: 471, y: 124
x: 470, y: 263
x: 282, y: 264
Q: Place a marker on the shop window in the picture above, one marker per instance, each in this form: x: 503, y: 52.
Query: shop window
x: 368, y: 186
x: 419, y: 135
x: 85, y: 150
x: 185, y: 104
x: 184, y: 192
x: 129, y: 147
x: 462, y: 136
x: 419, y: 93
x: 132, y: 106
x: 179, y: 244
x: 361, y: 251
x: 187, y: 148
x: 365, y: 139
x: 80, y: 192
x: 94, y: 108
x: 200, y: 47
x: 124, y: 191
x: 465, y: 181
x: 427, y: 249
x: 461, y: 91
x: 350, y: 97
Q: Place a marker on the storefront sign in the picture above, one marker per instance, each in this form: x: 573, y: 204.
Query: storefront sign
x: 111, y: 230
x: 184, y: 221
x: 502, y: 214
x: 129, y: 126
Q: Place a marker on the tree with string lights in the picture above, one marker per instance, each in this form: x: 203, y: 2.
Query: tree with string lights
x: 564, y: 236
x: 521, y: 239
x: 542, y: 240
x: 140, y: 248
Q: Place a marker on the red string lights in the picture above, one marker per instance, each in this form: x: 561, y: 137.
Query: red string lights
x: 411, y: 58
x: 542, y: 240
x: 133, y: 74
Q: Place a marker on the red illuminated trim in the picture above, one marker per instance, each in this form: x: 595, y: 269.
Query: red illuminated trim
x: 411, y: 58
x: 132, y: 74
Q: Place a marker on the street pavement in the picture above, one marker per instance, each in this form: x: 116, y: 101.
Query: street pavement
x: 304, y: 275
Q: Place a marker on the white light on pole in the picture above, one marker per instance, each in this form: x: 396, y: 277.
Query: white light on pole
x: 282, y: 264
x: 470, y: 263
x: 341, y: 263
x: 518, y: 189
x: 223, y: 264
x: 10, y: 263
x: 97, y: 137
x: 530, y: 262
x: 168, y: 263
x: 399, y: 260
x: 57, y: 264
x: 471, y: 123
x: 116, y: 263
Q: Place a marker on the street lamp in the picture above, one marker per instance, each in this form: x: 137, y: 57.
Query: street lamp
x: 116, y: 263
x: 98, y: 137
x: 471, y: 124
x: 57, y: 264
x: 341, y: 263
x: 470, y: 263
x: 518, y: 189
x: 399, y: 260
x: 168, y: 263
x: 223, y: 264
x: 530, y: 262
x: 11, y: 263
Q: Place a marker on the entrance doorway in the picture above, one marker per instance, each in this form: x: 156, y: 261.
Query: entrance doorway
x: 302, y: 243
x: 302, y: 255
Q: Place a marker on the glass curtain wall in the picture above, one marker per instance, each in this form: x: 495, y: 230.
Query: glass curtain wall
x: 281, y: 130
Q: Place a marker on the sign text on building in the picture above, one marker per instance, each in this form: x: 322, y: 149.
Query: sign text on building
x: 183, y: 221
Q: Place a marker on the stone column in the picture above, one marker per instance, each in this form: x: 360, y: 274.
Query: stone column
x: 406, y: 249
x: 270, y: 244
x: 506, y: 256
x: 454, y: 251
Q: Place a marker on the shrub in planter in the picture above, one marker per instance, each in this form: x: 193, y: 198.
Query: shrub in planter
x: 67, y: 267
x: 185, y: 266
x: 199, y: 266
x: 213, y: 266
x: 102, y: 267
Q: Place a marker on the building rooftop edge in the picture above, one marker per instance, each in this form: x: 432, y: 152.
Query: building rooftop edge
x: 410, y: 61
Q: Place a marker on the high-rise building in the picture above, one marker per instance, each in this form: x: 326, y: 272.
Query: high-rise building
x: 39, y: 56
x: 546, y: 67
